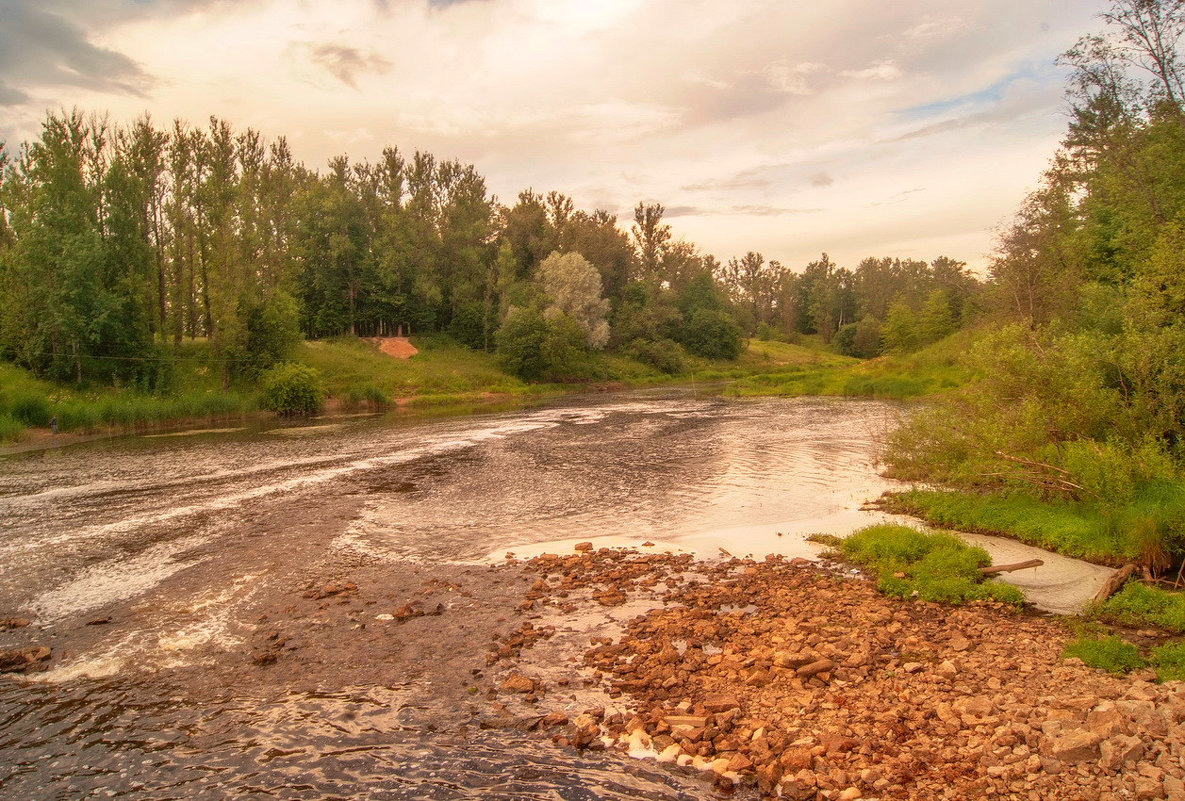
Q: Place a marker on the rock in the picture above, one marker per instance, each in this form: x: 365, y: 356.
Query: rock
x: 796, y: 758
x: 685, y: 722
x: 815, y: 668
x: 518, y: 683
x: 12, y: 623
x: 912, y: 667
x: 1119, y: 751
x: 1148, y: 789
x: 793, y: 661
x: 99, y: 621
x: 1074, y: 747
x: 720, y: 702
x: 802, y: 786
x: 850, y: 794
x: 959, y: 643
x: 583, y: 547
x: 948, y: 669
x: 18, y: 660
x: 1105, y: 720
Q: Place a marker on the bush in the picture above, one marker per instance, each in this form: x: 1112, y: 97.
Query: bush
x: 31, y: 410
x: 11, y: 429
x: 532, y: 346
x: 712, y: 334
x: 1109, y: 653
x: 663, y: 355
x: 291, y: 389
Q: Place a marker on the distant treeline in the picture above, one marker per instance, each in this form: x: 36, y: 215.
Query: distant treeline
x: 116, y: 241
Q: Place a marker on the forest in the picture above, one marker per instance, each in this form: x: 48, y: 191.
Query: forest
x: 117, y: 244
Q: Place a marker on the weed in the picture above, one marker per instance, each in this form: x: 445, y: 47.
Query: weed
x: 1107, y: 653
x: 1140, y: 605
x: 1169, y: 661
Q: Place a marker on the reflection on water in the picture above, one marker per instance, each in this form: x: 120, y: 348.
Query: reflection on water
x: 85, y: 527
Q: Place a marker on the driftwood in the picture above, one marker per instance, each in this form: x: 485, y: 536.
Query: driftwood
x: 992, y: 570
x: 1047, y: 476
x: 1116, y: 581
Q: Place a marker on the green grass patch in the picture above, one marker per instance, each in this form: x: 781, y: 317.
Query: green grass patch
x: 1140, y: 605
x: 1075, y: 529
x: 1105, y: 653
x: 11, y: 429
x: 934, y: 566
x: 1169, y: 661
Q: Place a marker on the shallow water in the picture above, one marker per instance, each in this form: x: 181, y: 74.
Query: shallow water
x: 103, y: 526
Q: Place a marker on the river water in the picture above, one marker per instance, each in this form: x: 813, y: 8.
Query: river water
x: 157, y: 533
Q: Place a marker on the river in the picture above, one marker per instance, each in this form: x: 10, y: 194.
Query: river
x: 150, y: 564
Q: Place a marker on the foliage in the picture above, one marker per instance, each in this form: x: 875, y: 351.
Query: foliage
x: 711, y: 334
x: 1140, y: 605
x: 1169, y: 661
x: 573, y: 287
x: 1106, y: 653
x: 930, y: 566
x: 663, y: 355
x: 291, y: 389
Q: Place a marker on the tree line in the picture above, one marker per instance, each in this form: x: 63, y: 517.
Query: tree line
x: 119, y: 241
x: 1082, y: 358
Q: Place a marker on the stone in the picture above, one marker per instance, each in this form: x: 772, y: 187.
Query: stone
x: 720, y: 702
x: 18, y: 660
x: 685, y: 722
x: 796, y: 758
x: 518, y: 683
x: 815, y: 668
x: 948, y: 669
x: 1074, y: 746
x: 12, y: 623
x: 1105, y: 720
x: 583, y: 547
x: 850, y: 794
x: 802, y: 786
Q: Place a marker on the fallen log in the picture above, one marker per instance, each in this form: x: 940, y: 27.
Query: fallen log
x: 1116, y: 581
x: 992, y: 570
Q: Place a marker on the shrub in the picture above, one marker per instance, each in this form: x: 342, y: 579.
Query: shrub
x: 1108, y: 653
x: 291, y: 389
x: 11, y: 429
x: 712, y: 334
x: 663, y: 355
x: 31, y: 410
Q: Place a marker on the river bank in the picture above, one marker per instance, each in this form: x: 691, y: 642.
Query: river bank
x: 763, y: 677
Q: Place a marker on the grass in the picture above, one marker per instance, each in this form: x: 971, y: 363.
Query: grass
x: 1140, y: 605
x: 935, y: 369
x: 929, y: 566
x: 1074, y: 529
x: 1105, y: 653
x: 1118, y: 656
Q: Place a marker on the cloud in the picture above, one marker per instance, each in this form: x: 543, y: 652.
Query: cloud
x: 40, y: 48
x: 793, y: 79
x: 347, y: 63
x: 821, y: 179
x: 884, y: 71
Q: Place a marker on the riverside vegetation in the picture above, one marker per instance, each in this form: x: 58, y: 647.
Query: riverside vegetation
x: 152, y: 275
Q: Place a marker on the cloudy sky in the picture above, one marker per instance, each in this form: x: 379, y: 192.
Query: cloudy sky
x: 857, y: 127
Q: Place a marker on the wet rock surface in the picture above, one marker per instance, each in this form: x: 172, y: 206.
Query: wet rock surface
x: 798, y: 681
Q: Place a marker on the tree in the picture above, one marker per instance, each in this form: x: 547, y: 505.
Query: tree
x: 651, y: 236
x: 573, y: 287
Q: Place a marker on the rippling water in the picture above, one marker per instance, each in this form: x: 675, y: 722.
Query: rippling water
x: 101, y: 524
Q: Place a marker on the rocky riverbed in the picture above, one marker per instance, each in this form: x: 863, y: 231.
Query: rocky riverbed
x: 774, y: 678
x: 803, y: 682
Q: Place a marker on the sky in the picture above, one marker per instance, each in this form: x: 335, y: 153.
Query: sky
x: 910, y: 128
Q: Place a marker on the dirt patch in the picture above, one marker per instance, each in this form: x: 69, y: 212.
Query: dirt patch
x: 399, y: 347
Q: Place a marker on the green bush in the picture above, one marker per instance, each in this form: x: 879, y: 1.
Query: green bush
x: 712, y: 334
x: 11, y: 429
x: 291, y: 389
x: 663, y: 355
x: 31, y: 410
x: 1108, y: 653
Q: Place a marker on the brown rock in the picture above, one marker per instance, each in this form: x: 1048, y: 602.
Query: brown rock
x: 685, y: 722
x: 18, y: 660
x: 1074, y: 746
x: 583, y: 547
x: 796, y: 758
x: 12, y: 623
x: 1119, y: 751
x: 720, y: 702
x: 802, y: 786
x: 518, y: 683
x: 815, y: 668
